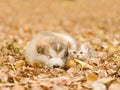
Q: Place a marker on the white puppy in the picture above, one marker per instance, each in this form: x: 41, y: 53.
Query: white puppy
x: 51, y: 49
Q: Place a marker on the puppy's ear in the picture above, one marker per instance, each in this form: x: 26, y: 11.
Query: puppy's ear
x: 40, y: 50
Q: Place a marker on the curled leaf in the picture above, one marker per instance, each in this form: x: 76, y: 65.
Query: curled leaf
x: 70, y: 63
x: 19, y: 64
x: 83, y: 64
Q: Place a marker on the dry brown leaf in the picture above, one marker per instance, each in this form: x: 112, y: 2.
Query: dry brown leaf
x: 111, y: 48
x: 3, y: 77
x: 56, y: 87
x: 97, y: 85
x: 4, y: 88
x: 18, y: 87
x: 114, y: 86
x: 106, y: 80
x: 70, y: 63
x: 83, y: 64
x: 35, y: 87
x: 62, y: 80
x: 88, y: 84
x: 73, y: 70
x: 19, y: 64
x: 91, y: 76
x: 35, y: 64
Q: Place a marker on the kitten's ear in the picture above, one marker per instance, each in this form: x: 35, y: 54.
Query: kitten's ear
x: 72, y: 47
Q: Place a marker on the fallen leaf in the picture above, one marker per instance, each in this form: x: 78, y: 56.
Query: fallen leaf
x: 4, y: 88
x: 114, y: 86
x: 97, y: 85
x: 106, y: 80
x: 70, y: 63
x: 18, y: 87
x: 83, y: 64
x: 56, y: 87
x: 91, y: 76
x: 19, y: 64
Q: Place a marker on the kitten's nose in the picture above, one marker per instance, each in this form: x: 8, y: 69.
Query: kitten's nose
x: 56, y: 66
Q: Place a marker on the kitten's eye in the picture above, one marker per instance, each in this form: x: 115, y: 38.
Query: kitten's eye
x: 81, y: 52
x: 40, y: 50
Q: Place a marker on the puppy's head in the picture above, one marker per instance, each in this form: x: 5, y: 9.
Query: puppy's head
x: 53, y: 52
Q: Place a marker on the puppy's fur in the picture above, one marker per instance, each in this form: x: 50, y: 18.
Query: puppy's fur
x: 49, y: 48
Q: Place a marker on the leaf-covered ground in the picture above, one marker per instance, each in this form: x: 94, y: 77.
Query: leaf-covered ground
x: 93, y: 24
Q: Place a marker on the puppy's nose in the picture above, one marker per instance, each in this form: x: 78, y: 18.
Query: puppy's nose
x: 56, y: 66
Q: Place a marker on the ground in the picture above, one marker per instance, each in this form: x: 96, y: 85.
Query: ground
x: 92, y: 23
